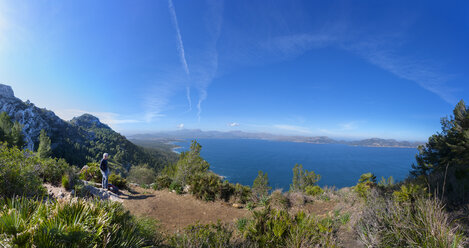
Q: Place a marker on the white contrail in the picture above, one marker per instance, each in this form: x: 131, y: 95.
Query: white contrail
x: 182, y: 55
x: 189, y: 100
x: 202, y: 97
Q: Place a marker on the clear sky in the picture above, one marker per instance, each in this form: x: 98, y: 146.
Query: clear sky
x: 344, y: 69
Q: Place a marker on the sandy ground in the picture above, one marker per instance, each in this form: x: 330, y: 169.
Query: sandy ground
x: 175, y: 212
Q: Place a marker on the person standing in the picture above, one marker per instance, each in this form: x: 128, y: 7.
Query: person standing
x: 104, y: 170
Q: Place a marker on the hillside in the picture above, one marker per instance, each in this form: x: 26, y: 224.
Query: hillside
x: 81, y: 140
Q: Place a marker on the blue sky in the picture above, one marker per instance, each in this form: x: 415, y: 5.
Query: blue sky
x: 387, y: 69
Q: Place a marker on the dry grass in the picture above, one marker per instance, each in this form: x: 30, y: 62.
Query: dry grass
x: 423, y: 223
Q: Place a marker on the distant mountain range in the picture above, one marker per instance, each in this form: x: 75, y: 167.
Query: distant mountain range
x: 199, y: 134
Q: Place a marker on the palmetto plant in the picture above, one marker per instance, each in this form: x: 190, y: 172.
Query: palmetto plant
x: 77, y: 223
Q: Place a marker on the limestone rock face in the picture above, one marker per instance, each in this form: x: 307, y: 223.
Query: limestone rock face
x: 34, y: 119
x: 6, y: 91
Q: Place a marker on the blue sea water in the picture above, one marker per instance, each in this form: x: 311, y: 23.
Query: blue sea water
x: 239, y: 160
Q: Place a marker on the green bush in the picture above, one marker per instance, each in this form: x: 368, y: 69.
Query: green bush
x: 66, y: 182
x: 118, y: 181
x: 409, y: 193
x: 250, y: 205
x: 313, y: 190
x: 190, y: 163
x: 241, y: 193
x: 18, y: 173
x: 225, y: 190
x: 260, y: 186
x: 176, y: 187
x: 141, y: 175
x: 277, y: 228
x: 36, y: 223
x: 365, y: 183
x: 205, y: 186
x: 51, y: 169
x: 303, y: 178
x: 91, y: 172
x: 162, y: 182
x: 203, y: 236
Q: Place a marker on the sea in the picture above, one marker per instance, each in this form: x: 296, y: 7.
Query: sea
x: 239, y: 161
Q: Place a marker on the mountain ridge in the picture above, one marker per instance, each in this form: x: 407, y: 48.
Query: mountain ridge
x: 81, y: 140
x: 199, y: 134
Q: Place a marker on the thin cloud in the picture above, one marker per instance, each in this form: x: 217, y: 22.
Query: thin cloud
x: 233, y: 124
x: 181, y: 126
x: 421, y: 72
x: 293, y: 128
x: 348, y: 126
x: 180, y: 44
x: 180, y: 47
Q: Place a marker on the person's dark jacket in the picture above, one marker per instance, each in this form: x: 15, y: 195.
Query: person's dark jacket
x: 103, y: 165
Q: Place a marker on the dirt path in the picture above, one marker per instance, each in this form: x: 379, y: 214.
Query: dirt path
x: 178, y: 211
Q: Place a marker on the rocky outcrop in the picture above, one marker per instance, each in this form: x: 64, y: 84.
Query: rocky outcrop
x: 6, y: 91
x: 102, y: 194
x: 31, y: 117
x: 35, y: 119
x: 88, y: 121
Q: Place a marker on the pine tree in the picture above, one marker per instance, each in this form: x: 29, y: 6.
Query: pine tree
x: 260, y: 186
x: 17, y: 137
x: 190, y: 163
x: 448, y: 148
x: 44, y: 150
x: 303, y: 178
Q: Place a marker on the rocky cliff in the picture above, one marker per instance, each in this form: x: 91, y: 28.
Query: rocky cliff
x: 31, y: 117
x: 81, y: 140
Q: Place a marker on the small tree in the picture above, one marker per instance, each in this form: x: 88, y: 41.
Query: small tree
x: 190, y: 163
x: 11, y: 132
x: 260, y: 186
x: 44, y: 150
x: 303, y: 178
x: 17, y: 137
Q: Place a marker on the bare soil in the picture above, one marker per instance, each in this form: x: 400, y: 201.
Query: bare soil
x: 175, y: 212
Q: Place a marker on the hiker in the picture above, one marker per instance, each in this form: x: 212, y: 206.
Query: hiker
x: 104, y: 170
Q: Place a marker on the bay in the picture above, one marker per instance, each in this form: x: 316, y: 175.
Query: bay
x: 239, y: 160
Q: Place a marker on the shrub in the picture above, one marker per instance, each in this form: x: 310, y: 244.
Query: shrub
x: 296, y: 199
x: 250, y: 205
x: 66, y: 182
x: 51, y: 170
x: 36, y: 223
x: 384, y: 183
x: 162, y: 182
x: 91, y: 172
x: 118, y: 181
x: 409, y: 193
x: 365, y: 183
x: 190, y: 163
x: 176, y: 187
x: 278, y: 200
x: 303, y: 178
x: 424, y: 223
x: 141, y: 175
x: 204, y: 186
x: 242, y: 193
x: 211, y: 235
x: 18, y: 173
x: 313, y: 190
x: 226, y: 190
x: 277, y: 228
x: 260, y: 186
